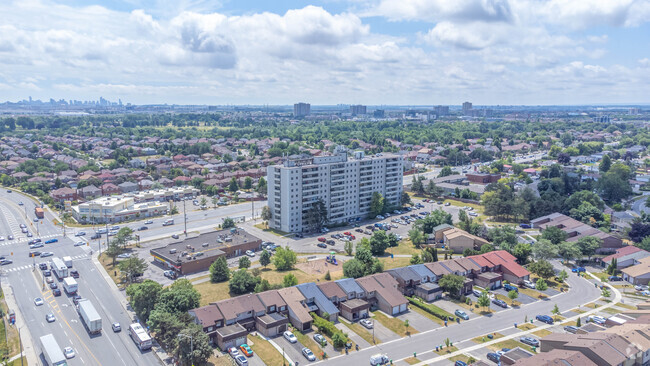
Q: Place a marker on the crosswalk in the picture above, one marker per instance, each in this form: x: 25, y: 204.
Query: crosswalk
x: 30, y: 266
x: 25, y: 239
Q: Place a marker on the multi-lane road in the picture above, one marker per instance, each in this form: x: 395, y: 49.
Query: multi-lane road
x: 109, y: 348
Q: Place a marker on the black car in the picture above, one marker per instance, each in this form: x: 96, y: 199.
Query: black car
x: 56, y: 292
x: 321, y: 245
x: 96, y: 236
x: 74, y: 273
x: 500, y: 303
x: 142, y: 228
x: 42, y: 266
x: 494, y: 357
x: 34, y: 254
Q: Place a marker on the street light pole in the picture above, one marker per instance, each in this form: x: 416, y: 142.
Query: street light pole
x: 191, y: 347
x: 185, y: 218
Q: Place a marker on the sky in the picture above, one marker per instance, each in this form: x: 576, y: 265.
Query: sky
x: 398, y: 52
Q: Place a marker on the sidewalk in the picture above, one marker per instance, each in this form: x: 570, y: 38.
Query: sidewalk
x: 28, y: 345
x: 164, y: 358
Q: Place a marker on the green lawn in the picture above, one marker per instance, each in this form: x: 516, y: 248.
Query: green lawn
x: 483, y: 339
x: 306, y: 341
x: 510, y: 343
x: 411, y: 360
x: 269, y: 230
x: 394, y: 324
x: 266, y: 352
x: 428, y: 315
x: 445, y: 350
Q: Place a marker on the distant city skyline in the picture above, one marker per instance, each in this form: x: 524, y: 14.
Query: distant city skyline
x: 370, y: 52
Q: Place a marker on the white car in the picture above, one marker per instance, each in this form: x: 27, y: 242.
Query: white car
x: 597, y: 319
x: 232, y: 351
x: 2, y: 238
x: 641, y: 288
x: 38, y: 301
x: 81, y: 233
x: 50, y: 318
x: 529, y: 284
x: 68, y: 352
x: 250, y: 253
x: 290, y: 337
x: 79, y: 244
x: 366, y: 323
x: 241, y: 360
x: 46, y: 254
x: 308, y: 354
x: 148, y: 222
x: 378, y: 359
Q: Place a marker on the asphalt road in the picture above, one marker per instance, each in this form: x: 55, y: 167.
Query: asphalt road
x: 582, y: 292
x: 106, y: 349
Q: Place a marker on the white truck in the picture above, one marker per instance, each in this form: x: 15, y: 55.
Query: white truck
x: 90, y: 316
x: 67, y: 261
x: 59, y: 268
x: 52, y: 352
x: 70, y: 286
x: 168, y: 222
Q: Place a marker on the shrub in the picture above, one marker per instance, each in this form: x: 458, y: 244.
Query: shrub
x: 339, y: 339
x: 431, y: 309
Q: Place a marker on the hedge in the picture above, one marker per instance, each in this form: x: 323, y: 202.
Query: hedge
x: 431, y: 309
x: 329, y: 329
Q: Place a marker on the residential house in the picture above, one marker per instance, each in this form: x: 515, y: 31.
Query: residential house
x: 406, y: 278
x: 317, y: 301
x: 64, y: 194
x: 601, y: 348
x: 514, y: 355
x: 241, y: 309
x: 355, y: 307
x: 458, y: 240
x: 436, y: 236
x: 89, y: 192
x: 333, y: 292
x: 127, y: 187
x: 423, y: 272
x: 209, y: 318
x: 509, y: 267
x: 576, y: 230
x: 110, y: 189
x: 438, y: 269
x: 429, y: 291
x: 298, y: 312
x: 556, y: 357
x: 625, y: 257
x: 622, y: 220
x: 275, y: 321
x: 145, y: 184
x: 637, y: 334
x: 382, y: 292
x: 638, y: 274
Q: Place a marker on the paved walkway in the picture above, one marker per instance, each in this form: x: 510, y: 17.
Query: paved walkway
x: 29, y: 350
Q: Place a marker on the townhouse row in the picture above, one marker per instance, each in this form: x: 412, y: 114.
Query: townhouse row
x: 228, y: 322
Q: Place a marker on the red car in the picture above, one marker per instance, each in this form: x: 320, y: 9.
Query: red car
x: 347, y: 233
x: 352, y: 237
x: 322, y: 239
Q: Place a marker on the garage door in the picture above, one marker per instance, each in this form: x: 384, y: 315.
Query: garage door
x: 282, y: 329
x: 402, y: 308
x: 395, y: 310
x: 235, y: 342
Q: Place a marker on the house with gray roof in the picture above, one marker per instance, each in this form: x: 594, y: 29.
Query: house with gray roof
x: 127, y: 187
x: 425, y: 273
x: 351, y: 288
x: 406, y: 278
x: 316, y: 301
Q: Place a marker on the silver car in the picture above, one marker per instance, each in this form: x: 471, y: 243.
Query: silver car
x: 308, y: 354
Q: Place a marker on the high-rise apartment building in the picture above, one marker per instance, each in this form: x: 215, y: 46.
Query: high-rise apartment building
x: 301, y: 109
x: 357, y: 109
x: 441, y: 110
x: 467, y: 109
x: 344, y: 184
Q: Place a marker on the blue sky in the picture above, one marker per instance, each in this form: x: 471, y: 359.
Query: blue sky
x: 424, y: 52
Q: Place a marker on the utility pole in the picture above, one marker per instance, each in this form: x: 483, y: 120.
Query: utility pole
x: 191, y: 347
x: 185, y: 218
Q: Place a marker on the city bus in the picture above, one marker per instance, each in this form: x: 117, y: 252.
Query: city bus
x: 140, y: 336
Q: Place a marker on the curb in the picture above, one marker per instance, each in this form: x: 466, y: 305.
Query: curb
x: 26, y: 338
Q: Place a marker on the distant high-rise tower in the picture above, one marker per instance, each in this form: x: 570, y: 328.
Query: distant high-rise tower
x: 357, y: 109
x: 301, y: 109
x: 441, y: 110
x: 467, y: 108
x: 378, y: 113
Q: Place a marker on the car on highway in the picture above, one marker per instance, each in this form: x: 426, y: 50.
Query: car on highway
x: 321, y: 245
x: 74, y: 273
x: 116, y: 327
x: 47, y: 273
x: 2, y: 238
x: 461, y: 314
x: 50, y: 317
x: 544, y: 319
x: 529, y: 341
x: 175, y: 236
x: 56, y: 292
x: 571, y: 329
x: 80, y: 233
x: 245, y: 349
x: 96, y: 236
x: 34, y: 253
x: 4, y: 262
x: 143, y: 228
x: 308, y: 354
x: 290, y: 337
x: 37, y: 245
x: 115, y: 228
x: 500, y: 303
x: 22, y: 226
x: 68, y: 352
x: 10, y: 237
x: 38, y: 301
x: 508, y: 287
x: 366, y: 323
x: 34, y: 241
x: 42, y: 266
x: 49, y: 280
x: 320, y: 339
x: 241, y: 360
x: 29, y: 235
x: 250, y: 253
x: 79, y: 243
x: 53, y: 285
x: 47, y: 254
x: 75, y: 299
x: 35, y: 219
x: 148, y: 222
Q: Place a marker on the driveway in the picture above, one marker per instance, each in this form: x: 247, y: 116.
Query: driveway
x: 353, y: 336
x: 383, y: 333
x: 293, y: 350
x: 418, y: 321
x: 523, y: 298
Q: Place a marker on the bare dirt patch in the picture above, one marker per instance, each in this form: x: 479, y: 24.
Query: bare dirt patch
x: 319, y: 267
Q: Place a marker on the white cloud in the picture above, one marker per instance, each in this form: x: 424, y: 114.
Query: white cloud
x: 437, y: 10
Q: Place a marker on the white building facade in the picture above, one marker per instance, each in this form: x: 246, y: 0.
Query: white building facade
x: 345, y: 185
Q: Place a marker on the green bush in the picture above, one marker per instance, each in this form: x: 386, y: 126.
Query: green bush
x: 431, y: 309
x: 339, y: 339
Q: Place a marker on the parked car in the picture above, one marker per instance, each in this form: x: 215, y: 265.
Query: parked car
x: 597, y: 319
x: 529, y: 341
x: 615, y: 278
x: 461, y: 314
x: 330, y: 242
x: 641, y: 287
x: 250, y: 253
x: 175, y: 236
x: 320, y: 339
x: 321, y: 239
x: 245, y: 349
x: 241, y: 360
x: 529, y: 284
x: 544, y: 319
x: 321, y: 245
x: 571, y: 329
x: 509, y: 287
x: 578, y: 269
x: 308, y: 354
x: 460, y: 363
x: 494, y: 357
x: 500, y: 303
x: 378, y: 359
x: 290, y: 337
x: 366, y: 323
x: 476, y: 293
x: 232, y: 351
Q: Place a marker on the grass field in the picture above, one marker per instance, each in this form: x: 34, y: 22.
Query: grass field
x: 112, y: 271
x: 483, y: 339
x: 445, y: 350
x: 526, y: 326
x: 510, y: 343
x: 269, y: 230
x: 428, y: 315
x: 542, y: 333
x: 626, y: 306
x: 412, y: 360
x: 390, y: 263
x: 394, y: 324
x: 405, y: 247
x: 306, y: 341
x: 265, y: 351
